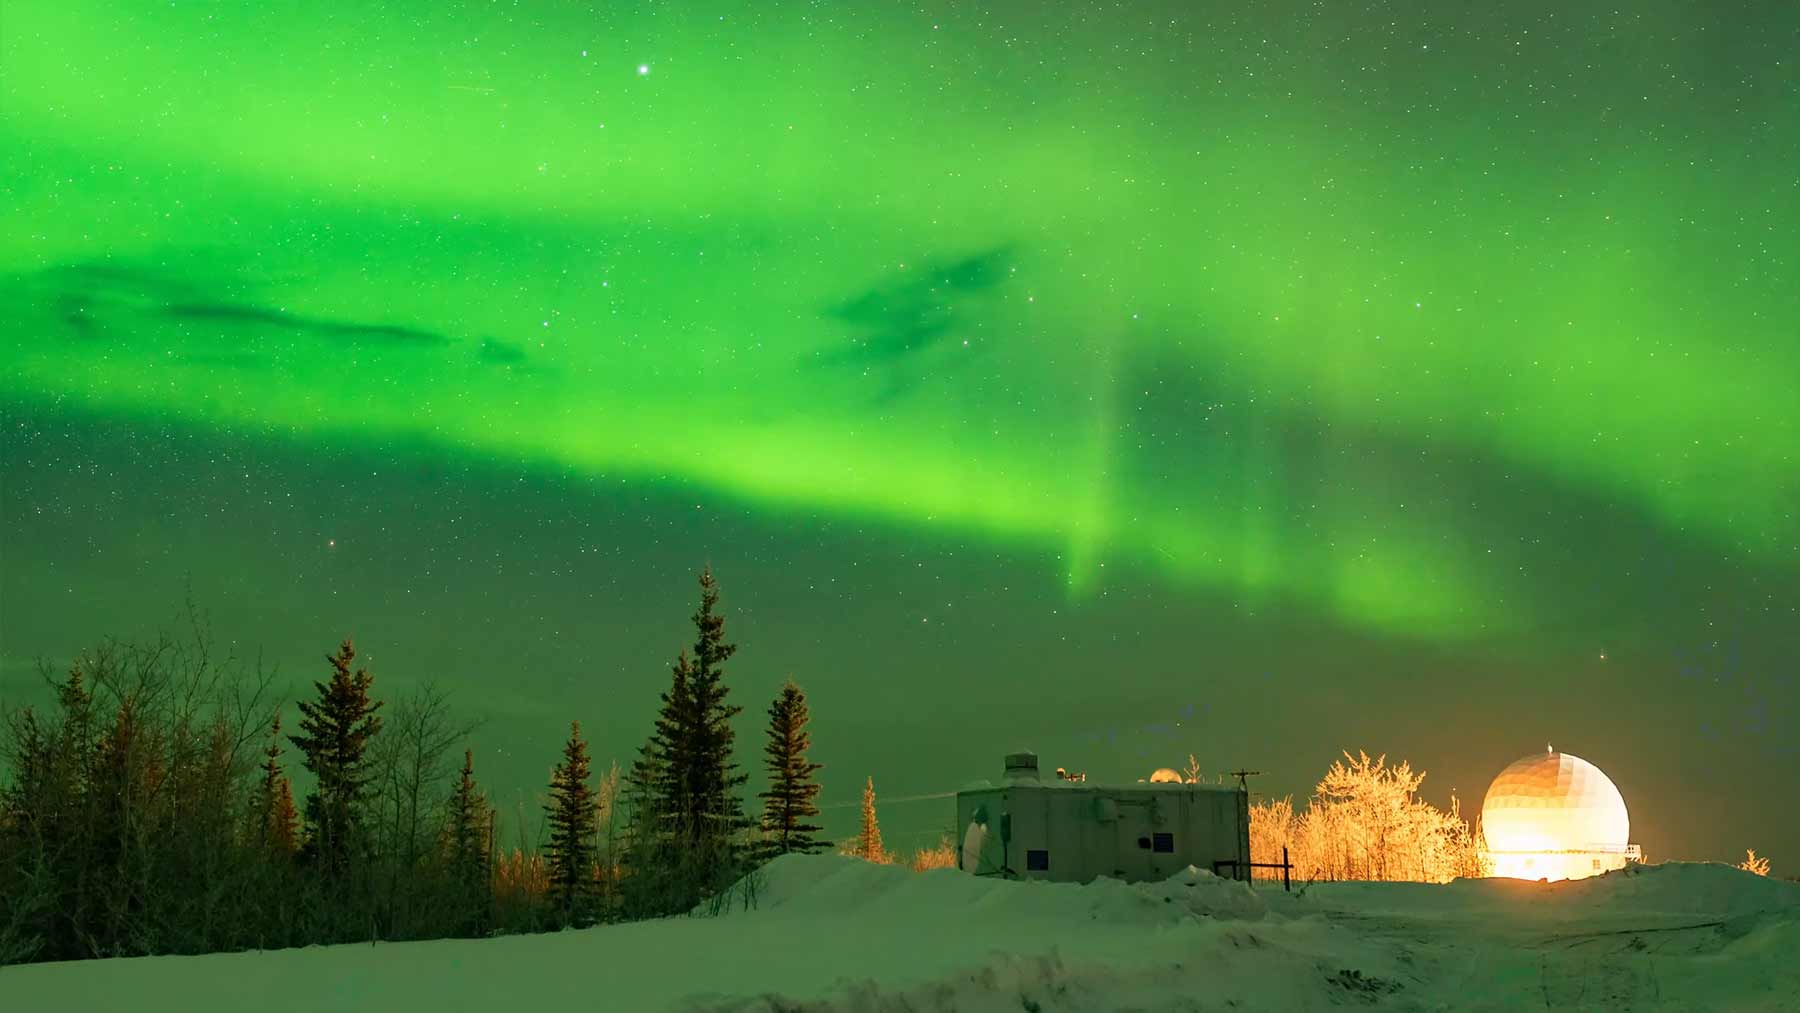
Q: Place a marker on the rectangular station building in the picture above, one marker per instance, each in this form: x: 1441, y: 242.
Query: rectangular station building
x: 1072, y: 831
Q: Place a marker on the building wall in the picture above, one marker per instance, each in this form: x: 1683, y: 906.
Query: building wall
x: 1078, y: 834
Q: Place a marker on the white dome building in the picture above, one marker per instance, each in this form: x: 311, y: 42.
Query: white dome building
x: 1555, y: 816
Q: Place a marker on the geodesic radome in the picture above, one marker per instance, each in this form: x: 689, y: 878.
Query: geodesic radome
x: 1553, y: 802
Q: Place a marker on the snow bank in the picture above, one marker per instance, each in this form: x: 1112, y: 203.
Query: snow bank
x: 1688, y: 888
x: 836, y: 886
x: 1695, y: 891
x: 1202, y: 893
x: 838, y: 935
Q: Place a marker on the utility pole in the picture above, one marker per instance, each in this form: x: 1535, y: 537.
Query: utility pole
x: 1245, y: 865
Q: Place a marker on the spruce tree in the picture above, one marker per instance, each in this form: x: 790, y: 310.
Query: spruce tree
x: 48, y: 853
x: 68, y: 816
x: 656, y: 794
x: 714, y: 815
x: 466, y: 841
x: 335, y: 732
x: 274, y: 821
x: 284, y: 822
x: 791, y: 798
x: 687, y: 816
x: 662, y: 772
x: 868, y: 842
x: 120, y: 782
x: 574, y: 821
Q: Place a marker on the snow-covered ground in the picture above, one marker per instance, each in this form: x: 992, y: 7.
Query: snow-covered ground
x: 836, y: 934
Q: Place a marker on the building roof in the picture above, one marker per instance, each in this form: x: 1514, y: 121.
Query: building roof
x: 1057, y: 785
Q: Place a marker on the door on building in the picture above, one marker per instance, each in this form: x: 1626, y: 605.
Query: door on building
x: 1135, y: 840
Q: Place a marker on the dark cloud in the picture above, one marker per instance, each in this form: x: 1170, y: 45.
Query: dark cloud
x: 84, y: 296
x: 89, y: 283
x: 73, y: 311
x: 346, y: 330
x: 898, y: 320
x: 499, y: 352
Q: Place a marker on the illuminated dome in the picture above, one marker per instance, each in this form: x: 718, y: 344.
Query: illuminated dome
x: 1554, y: 816
x: 1165, y: 775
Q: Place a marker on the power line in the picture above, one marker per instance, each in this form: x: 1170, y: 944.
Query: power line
x: 879, y: 801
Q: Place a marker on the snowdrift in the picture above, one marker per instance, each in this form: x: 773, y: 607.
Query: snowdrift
x: 833, y: 935
x: 838, y: 886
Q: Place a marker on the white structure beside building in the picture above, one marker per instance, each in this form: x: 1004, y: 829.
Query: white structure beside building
x: 1555, y: 816
x: 1073, y: 831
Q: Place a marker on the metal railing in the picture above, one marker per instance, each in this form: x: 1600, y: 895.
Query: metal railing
x: 1284, y: 865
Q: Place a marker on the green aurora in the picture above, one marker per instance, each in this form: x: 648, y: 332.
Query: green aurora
x: 1427, y: 327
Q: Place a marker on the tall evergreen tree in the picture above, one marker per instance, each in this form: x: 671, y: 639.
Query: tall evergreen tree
x: 868, y: 842
x: 659, y: 776
x: 67, y: 815
x: 714, y: 816
x: 791, y: 798
x: 468, y: 846
x: 335, y: 732
x: 657, y: 851
x: 46, y: 831
x: 119, y: 782
x: 688, y: 820
x: 274, y: 821
x: 574, y: 820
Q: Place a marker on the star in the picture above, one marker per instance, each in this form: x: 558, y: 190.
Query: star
x: 643, y: 68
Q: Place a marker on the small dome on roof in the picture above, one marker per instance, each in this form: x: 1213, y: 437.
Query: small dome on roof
x: 1166, y: 775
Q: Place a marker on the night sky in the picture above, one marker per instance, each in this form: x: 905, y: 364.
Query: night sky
x: 1119, y: 382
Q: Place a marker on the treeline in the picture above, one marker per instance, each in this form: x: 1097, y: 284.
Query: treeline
x: 150, y: 810
x: 1365, y: 821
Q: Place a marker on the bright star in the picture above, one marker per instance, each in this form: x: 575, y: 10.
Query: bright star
x: 643, y: 68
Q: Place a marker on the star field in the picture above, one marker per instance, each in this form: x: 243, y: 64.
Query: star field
x: 1350, y: 375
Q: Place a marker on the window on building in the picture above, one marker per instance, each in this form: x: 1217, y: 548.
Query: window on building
x: 1165, y: 843
x: 1037, y: 861
x: 1144, y: 842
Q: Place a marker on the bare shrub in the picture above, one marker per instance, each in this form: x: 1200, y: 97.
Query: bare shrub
x: 941, y: 855
x: 1751, y: 863
x: 412, y: 767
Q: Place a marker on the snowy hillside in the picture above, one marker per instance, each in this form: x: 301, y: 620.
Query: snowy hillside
x: 833, y: 933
